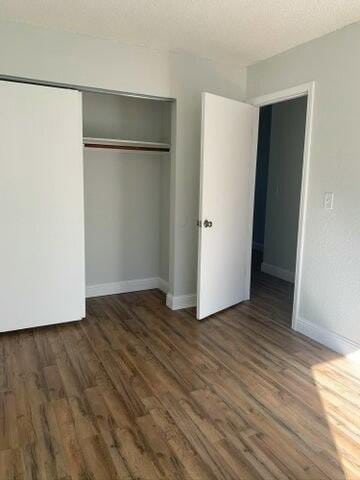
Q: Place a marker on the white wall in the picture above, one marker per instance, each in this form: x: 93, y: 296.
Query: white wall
x: 189, y: 77
x: 330, y: 290
x: 127, y: 194
x: 116, y: 116
x: 43, y: 54
x: 164, y: 244
x: 123, y: 206
x: 78, y: 59
x: 284, y: 185
x: 331, y: 280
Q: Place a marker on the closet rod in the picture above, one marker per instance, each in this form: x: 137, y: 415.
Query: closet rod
x: 127, y: 147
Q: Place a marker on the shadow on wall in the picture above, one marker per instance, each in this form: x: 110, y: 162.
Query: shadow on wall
x: 261, y: 181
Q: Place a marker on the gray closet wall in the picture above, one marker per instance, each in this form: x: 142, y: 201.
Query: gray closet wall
x: 127, y: 193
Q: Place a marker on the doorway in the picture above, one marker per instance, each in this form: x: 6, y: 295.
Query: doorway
x: 277, y: 200
x: 229, y: 136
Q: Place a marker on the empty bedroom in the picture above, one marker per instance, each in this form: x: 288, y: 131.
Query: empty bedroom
x: 179, y: 289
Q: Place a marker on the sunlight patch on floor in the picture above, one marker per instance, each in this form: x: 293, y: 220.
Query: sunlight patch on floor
x: 343, y: 419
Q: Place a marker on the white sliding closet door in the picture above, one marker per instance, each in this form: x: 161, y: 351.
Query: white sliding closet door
x: 42, y: 277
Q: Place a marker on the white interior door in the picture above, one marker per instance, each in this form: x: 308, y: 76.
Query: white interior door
x: 227, y: 179
x: 42, y: 279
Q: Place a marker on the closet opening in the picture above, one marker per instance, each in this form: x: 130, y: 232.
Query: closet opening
x: 127, y: 171
x: 279, y: 173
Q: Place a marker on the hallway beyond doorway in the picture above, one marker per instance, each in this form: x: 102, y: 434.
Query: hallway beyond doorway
x: 269, y: 294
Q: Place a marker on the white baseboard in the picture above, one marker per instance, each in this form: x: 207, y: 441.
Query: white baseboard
x: 330, y: 339
x: 278, y: 272
x: 173, y: 302
x: 126, y: 286
x: 180, y: 301
x: 163, y: 285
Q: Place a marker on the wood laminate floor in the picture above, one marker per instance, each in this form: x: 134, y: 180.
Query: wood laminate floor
x: 136, y: 391
x: 272, y: 297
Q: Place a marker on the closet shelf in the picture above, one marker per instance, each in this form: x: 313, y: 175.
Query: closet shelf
x: 118, y: 144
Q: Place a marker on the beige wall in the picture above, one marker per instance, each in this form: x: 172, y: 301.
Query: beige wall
x: 330, y: 288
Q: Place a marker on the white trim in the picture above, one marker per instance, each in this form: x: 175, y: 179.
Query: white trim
x: 180, y: 301
x: 84, y: 88
x: 278, y: 272
x: 282, y: 95
x: 126, y: 286
x: 307, y: 89
x: 252, y: 181
x: 163, y: 285
x: 330, y: 339
x: 200, y: 210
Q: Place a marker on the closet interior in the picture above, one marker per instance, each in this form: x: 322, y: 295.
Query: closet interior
x: 127, y: 160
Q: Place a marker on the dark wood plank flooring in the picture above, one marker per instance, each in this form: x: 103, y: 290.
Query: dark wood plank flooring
x: 136, y: 391
x: 272, y: 296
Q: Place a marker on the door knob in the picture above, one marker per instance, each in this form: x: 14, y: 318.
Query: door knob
x: 208, y: 224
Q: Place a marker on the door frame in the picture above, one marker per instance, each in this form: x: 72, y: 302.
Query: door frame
x: 305, y: 89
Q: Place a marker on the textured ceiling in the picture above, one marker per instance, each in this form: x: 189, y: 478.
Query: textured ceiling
x: 244, y: 31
